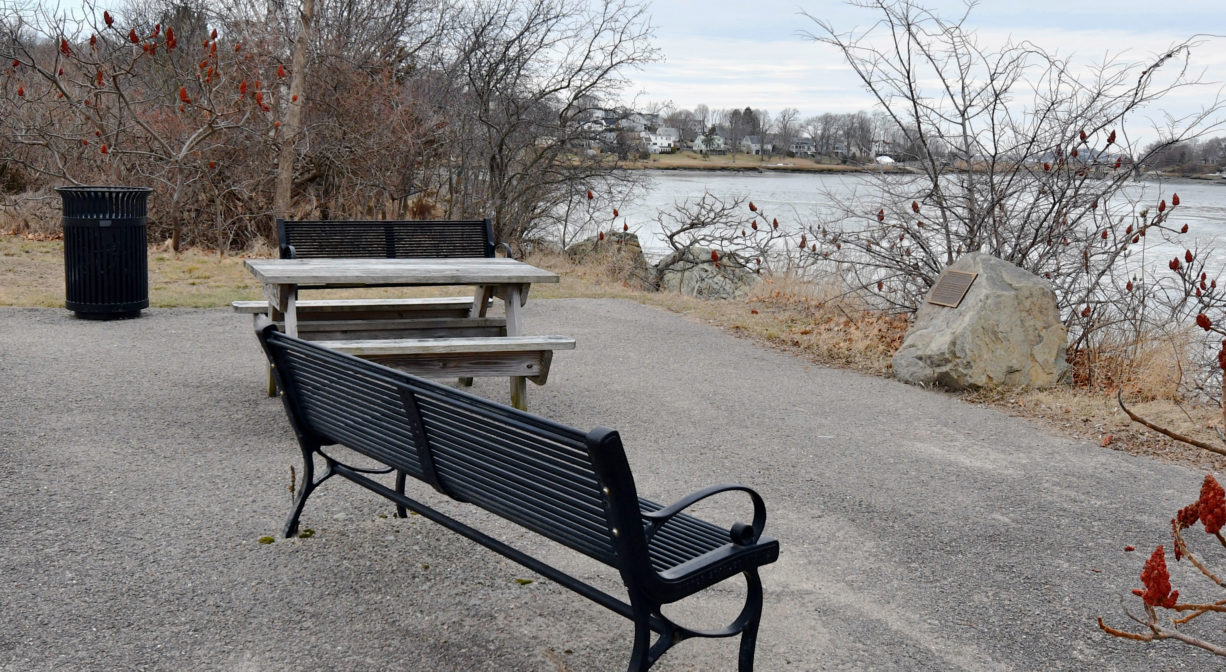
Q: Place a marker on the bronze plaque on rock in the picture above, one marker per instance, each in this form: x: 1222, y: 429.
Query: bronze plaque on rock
x: 951, y: 288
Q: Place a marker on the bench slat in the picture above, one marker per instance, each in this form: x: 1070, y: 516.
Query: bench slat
x: 425, y: 346
x: 307, y: 306
x: 514, y: 356
x: 407, y: 329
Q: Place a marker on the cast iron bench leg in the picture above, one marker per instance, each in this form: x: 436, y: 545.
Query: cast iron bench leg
x: 640, y: 658
x: 401, y: 511
x: 753, y: 612
x: 309, y: 483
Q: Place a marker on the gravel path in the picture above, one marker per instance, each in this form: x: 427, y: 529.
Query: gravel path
x: 140, y: 463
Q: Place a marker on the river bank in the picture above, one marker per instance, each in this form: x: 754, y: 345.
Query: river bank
x: 745, y: 163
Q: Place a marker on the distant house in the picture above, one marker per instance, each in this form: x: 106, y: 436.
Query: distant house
x: 710, y: 144
x: 634, y: 122
x: 804, y: 147
x: 664, y: 140
x: 754, y: 144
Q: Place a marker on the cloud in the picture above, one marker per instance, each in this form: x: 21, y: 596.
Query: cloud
x: 708, y: 66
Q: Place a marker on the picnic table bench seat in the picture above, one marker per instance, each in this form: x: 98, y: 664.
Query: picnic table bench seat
x: 523, y: 358
x: 572, y: 487
x: 362, y: 309
x: 335, y: 319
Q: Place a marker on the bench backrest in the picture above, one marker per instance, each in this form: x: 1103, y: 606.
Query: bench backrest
x: 572, y: 487
x: 385, y: 239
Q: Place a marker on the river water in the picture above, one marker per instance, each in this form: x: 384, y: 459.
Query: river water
x: 798, y: 199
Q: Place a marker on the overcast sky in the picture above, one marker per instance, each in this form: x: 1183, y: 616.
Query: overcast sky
x: 737, y: 53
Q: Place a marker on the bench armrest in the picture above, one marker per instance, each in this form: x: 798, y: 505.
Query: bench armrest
x: 740, y: 534
x: 505, y: 247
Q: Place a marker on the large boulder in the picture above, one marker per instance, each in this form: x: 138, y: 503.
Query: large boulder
x: 692, y: 272
x: 1006, y: 333
x: 618, y: 250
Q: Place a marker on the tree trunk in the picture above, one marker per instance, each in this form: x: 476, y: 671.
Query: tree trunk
x: 293, y: 121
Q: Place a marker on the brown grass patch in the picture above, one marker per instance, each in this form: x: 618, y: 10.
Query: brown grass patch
x: 32, y: 274
x: 1147, y: 367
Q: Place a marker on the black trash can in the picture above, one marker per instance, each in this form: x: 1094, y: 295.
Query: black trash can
x: 106, y: 258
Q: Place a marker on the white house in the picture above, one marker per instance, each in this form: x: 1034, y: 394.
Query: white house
x: 753, y: 144
x: 664, y: 140
x: 709, y: 143
x: 804, y: 147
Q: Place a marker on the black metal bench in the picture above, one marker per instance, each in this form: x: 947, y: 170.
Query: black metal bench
x: 572, y: 487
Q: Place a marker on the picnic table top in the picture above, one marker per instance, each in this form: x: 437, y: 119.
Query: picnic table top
x: 455, y: 271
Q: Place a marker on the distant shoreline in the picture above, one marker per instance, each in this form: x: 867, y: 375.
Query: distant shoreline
x: 742, y: 163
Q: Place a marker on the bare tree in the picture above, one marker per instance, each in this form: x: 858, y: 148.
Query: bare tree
x: 139, y: 99
x: 391, y: 108
x: 729, y: 233
x: 823, y: 130
x: 787, y: 124
x: 764, y: 128
x: 1038, y: 153
x: 683, y: 121
x: 524, y: 73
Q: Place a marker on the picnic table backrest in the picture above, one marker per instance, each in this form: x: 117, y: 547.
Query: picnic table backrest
x: 385, y: 239
x: 522, y: 467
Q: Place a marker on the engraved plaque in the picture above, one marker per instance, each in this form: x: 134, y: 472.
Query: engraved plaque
x: 951, y: 288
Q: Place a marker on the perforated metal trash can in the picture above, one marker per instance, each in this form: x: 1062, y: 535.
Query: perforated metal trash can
x: 106, y: 259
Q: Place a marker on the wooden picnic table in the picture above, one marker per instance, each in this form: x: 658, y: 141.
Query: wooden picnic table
x: 507, y: 279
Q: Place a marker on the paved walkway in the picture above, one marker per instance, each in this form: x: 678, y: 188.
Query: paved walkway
x: 140, y: 463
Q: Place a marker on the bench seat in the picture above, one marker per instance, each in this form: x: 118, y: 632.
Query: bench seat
x: 358, y: 309
x: 430, y: 327
x: 516, y: 356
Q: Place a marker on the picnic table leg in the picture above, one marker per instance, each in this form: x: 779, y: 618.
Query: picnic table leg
x: 282, y: 304
x: 291, y: 312
x: 511, y: 302
x: 481, y: 302
x: 272, y: 378
x: 519, y: 392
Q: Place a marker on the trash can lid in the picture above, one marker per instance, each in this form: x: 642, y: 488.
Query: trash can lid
x: 104, y: 201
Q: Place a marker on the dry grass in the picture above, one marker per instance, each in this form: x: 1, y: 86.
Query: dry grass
x: 1147, y: 366
x: 809, y: 322
x: 32, y: 274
